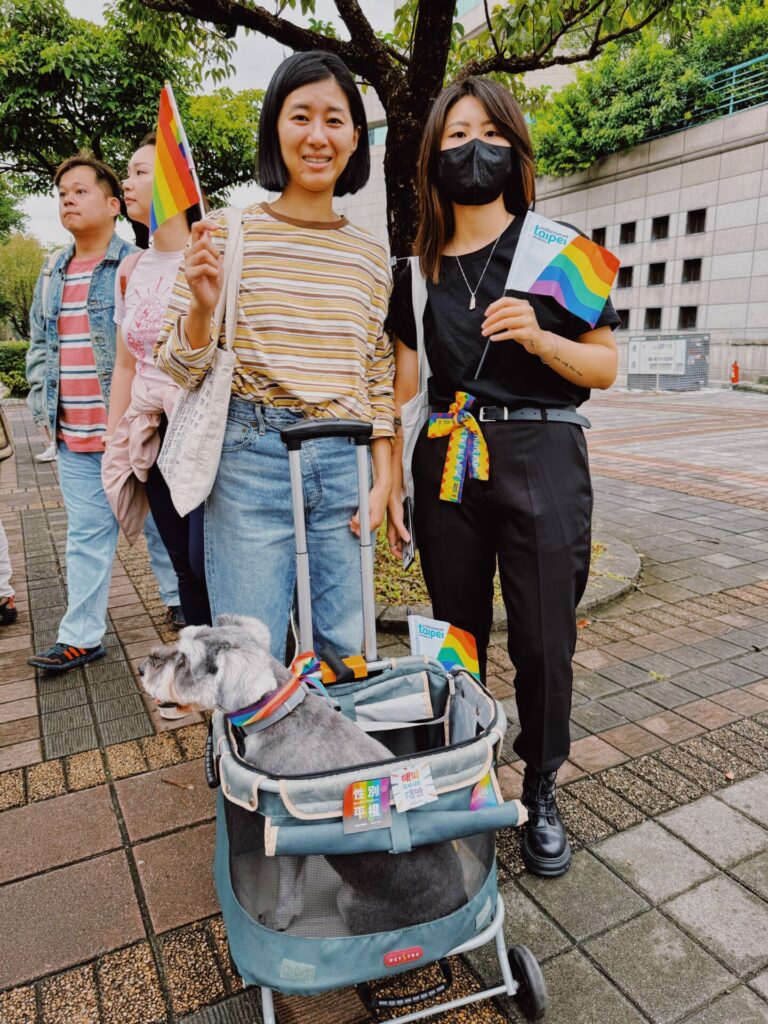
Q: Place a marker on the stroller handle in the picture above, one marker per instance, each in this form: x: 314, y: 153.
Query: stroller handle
x: 296, y: 434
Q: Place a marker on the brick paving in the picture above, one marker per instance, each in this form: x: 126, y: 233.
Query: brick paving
x: 107, y: 911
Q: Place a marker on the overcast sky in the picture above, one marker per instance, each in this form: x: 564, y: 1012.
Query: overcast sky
x: 255, y: 60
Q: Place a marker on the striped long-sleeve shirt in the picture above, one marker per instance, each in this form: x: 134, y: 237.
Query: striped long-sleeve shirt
x: 310, y: 328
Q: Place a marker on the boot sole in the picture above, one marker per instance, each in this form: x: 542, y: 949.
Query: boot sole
x: 547, y: 867
x: 76, y: 663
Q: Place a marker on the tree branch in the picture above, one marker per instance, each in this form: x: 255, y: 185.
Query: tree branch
x: 532, y: 62
x: 363, y: 36
x: 232, y: 14
x: 490, y: 29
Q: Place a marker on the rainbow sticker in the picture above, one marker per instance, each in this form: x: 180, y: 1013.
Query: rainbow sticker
x: 484, y: 794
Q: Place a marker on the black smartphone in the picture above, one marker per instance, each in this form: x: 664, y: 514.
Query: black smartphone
x: 409, y: 549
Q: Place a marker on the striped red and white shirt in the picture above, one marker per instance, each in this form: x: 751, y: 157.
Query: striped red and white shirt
x: 82, y: 412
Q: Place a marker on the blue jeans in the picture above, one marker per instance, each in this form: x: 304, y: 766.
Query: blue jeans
x: 250, y: 559
x: 91, y: 544
x: 161, y: 564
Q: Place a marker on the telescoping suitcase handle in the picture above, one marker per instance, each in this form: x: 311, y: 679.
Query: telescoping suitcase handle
x: 359, y: 433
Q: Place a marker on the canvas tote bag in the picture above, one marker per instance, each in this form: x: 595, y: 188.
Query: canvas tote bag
x: 189, y: 458
x: 415, y: 412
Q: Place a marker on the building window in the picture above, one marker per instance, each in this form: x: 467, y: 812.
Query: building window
x: 659, y: 228
x: 691, y: 271
x: 377, y: 135
x: 686, y: 318
x: 656, y: 273
x: 623, y: 315
x: 695, y: 222
x: 625, y: 277
x: 627, y: 233
x: 653, y: 318
x: 598, y: 236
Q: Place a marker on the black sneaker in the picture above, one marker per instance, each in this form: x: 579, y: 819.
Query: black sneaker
x: 175, y: 617
x: 63, y: 657
x: 8, y: 611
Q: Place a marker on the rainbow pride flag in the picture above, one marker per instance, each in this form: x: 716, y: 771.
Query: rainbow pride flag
x: 554, y: 260
x: 175, y: 187
x: 459, y: 649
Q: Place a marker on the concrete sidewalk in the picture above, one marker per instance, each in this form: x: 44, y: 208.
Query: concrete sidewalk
x: 107, y: 909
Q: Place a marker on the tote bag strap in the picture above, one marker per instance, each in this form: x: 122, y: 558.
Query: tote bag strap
x: 226, y: 307
x: 419, y: 302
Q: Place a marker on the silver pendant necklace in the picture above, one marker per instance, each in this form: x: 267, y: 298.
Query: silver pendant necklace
x: 473, y: 293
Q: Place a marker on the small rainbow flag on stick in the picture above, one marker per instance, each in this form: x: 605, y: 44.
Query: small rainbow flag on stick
x: 175, y: 187
x: 554, y: 260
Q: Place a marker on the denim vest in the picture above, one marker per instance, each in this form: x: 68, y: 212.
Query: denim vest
x: 43, y: 354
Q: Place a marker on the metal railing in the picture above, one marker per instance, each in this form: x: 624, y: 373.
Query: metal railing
x: 729, y: 90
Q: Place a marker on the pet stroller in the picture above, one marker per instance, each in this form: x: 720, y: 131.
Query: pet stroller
x: 432, y: 721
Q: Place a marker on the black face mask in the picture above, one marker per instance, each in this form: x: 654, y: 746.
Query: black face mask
x: 474, y: 174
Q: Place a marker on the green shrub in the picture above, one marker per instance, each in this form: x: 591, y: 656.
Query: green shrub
x: 13, y: 356
x: 15, y: 382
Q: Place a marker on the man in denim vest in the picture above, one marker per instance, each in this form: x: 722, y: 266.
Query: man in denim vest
x: 69, y: 368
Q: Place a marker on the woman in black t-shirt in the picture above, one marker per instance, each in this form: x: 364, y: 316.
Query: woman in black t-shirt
x: 476, y: 182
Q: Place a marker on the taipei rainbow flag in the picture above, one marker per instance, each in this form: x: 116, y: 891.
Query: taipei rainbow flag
x: 554, y: 261
x: 175, y: 186
x: 451, y: 646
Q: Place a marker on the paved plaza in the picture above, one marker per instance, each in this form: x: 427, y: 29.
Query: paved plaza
x: 108, y: 913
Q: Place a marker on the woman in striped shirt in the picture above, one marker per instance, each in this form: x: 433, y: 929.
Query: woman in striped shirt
x: 310, y: 343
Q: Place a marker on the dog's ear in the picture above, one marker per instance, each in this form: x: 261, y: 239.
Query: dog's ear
x: 243, y: 676
x: 258, y: 631
x: 230, y: 620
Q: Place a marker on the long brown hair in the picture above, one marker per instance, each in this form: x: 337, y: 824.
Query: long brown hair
x: 436, y: 221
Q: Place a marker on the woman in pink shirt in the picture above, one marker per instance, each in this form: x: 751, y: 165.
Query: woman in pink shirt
x: 143, y: 396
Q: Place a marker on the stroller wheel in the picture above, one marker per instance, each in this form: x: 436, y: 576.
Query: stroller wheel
x: 532, y: 995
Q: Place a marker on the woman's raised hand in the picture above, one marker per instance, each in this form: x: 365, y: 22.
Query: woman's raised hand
x: 203, y: 267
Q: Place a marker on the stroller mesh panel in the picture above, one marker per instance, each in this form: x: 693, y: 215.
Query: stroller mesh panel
x: 307, y: 896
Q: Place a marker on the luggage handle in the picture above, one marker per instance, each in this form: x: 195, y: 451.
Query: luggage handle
x: 293, y: 437
x: 372, y: 1003
x: 342, y: 671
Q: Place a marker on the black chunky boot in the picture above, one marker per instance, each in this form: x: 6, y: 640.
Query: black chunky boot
x: 546, y: 850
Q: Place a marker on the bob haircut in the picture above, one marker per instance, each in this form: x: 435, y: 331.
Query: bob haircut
x: 296, y: 71
x: 436, y: 221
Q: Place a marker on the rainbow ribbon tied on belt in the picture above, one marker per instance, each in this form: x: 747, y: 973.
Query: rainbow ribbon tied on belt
x: 467, y: 448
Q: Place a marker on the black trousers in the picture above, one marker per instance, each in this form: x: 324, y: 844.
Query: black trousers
x: 183, y: 537
x: 534, y: 516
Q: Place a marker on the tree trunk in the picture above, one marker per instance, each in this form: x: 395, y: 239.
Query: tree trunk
x: 400, y: 159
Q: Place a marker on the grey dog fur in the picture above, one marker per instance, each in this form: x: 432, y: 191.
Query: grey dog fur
x: 228, y: 666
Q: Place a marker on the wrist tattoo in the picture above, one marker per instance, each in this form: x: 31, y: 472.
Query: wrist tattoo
x: 568, y: 366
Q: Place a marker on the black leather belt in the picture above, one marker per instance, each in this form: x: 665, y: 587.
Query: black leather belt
x: 500, y: 414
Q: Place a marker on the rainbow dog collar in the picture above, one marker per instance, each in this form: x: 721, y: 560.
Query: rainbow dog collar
x: 306, y: 671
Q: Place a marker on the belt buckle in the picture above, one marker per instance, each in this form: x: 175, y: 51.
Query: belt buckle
x: 482, y: 413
